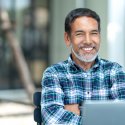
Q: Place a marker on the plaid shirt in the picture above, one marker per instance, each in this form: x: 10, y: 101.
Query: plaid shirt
x: 67, y: 83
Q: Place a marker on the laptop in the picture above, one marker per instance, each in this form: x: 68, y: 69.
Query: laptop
x: 103, y: 113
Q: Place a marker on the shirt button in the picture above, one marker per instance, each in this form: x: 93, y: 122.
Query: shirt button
x: 88, y: 93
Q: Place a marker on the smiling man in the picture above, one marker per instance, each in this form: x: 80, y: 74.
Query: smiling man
x: 83, y: 76
x: 84, y: 40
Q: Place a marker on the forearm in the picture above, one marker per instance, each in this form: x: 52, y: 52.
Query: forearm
x: 53, y: 110
x: 58, y: 115
x: 73, y: 108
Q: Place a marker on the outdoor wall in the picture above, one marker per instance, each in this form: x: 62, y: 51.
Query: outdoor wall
x: 116, y: 31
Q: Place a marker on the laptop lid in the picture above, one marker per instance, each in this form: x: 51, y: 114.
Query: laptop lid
x: 103, y: 113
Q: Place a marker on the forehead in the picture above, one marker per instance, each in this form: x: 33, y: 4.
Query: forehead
x: 85, y: 22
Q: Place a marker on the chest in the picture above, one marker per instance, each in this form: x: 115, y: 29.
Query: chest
x: 86, y: 86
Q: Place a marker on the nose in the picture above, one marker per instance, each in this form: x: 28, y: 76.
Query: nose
x: 87, y: 38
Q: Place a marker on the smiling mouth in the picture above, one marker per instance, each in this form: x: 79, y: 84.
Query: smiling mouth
x: 88, y: 49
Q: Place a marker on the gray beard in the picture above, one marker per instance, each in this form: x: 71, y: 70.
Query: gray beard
x: 82, y: 58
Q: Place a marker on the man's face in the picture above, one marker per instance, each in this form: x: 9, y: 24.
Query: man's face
x: 85, y: 39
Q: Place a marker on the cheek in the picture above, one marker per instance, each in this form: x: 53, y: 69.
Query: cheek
x: 96, y: 41
x: 75, y: 47
x: 77, y: 42
x: 95, y: 38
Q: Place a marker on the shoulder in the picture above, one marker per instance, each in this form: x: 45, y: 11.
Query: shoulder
x: 58, y: 67
x: 107, y: 64
x: 52, y: 73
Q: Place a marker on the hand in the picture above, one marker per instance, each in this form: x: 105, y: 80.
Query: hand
x: 73, y: 108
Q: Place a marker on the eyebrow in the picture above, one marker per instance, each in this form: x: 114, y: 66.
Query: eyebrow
x: 81, y: 31
x: 95, y: 31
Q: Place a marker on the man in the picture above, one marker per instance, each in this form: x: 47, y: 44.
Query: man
x: 84, y: 76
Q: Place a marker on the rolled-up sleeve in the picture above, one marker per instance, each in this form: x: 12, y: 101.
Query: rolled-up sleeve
x: 52, y: 103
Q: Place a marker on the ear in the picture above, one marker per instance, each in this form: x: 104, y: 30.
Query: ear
x: 67, y: 39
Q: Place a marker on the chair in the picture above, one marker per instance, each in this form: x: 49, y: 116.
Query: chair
x: 37, y: 110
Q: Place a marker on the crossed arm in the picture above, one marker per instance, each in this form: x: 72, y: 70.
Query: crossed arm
x: 53, y: 108
x: 73, y: 108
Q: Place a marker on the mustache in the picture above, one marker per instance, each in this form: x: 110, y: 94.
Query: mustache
x: 80, y: 46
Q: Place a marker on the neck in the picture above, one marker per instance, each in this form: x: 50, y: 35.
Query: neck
x: 84, y: 65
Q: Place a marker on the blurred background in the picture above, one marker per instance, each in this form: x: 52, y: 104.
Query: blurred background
x: 31, y: 38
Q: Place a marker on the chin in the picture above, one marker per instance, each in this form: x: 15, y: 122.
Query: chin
x: 88, y: 59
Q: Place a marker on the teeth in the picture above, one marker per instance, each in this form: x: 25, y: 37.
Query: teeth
x: 88, y: 49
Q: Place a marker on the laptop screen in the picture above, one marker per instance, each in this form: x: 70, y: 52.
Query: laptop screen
x: 103, y: 113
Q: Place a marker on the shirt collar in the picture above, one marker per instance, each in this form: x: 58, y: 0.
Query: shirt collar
x: 73, y: 65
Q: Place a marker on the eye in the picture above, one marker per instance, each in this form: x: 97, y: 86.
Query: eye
x: 94, y: 33
x: 79, y: 34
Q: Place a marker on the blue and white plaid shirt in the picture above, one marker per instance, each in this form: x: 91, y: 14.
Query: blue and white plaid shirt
x: 67, y: 83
